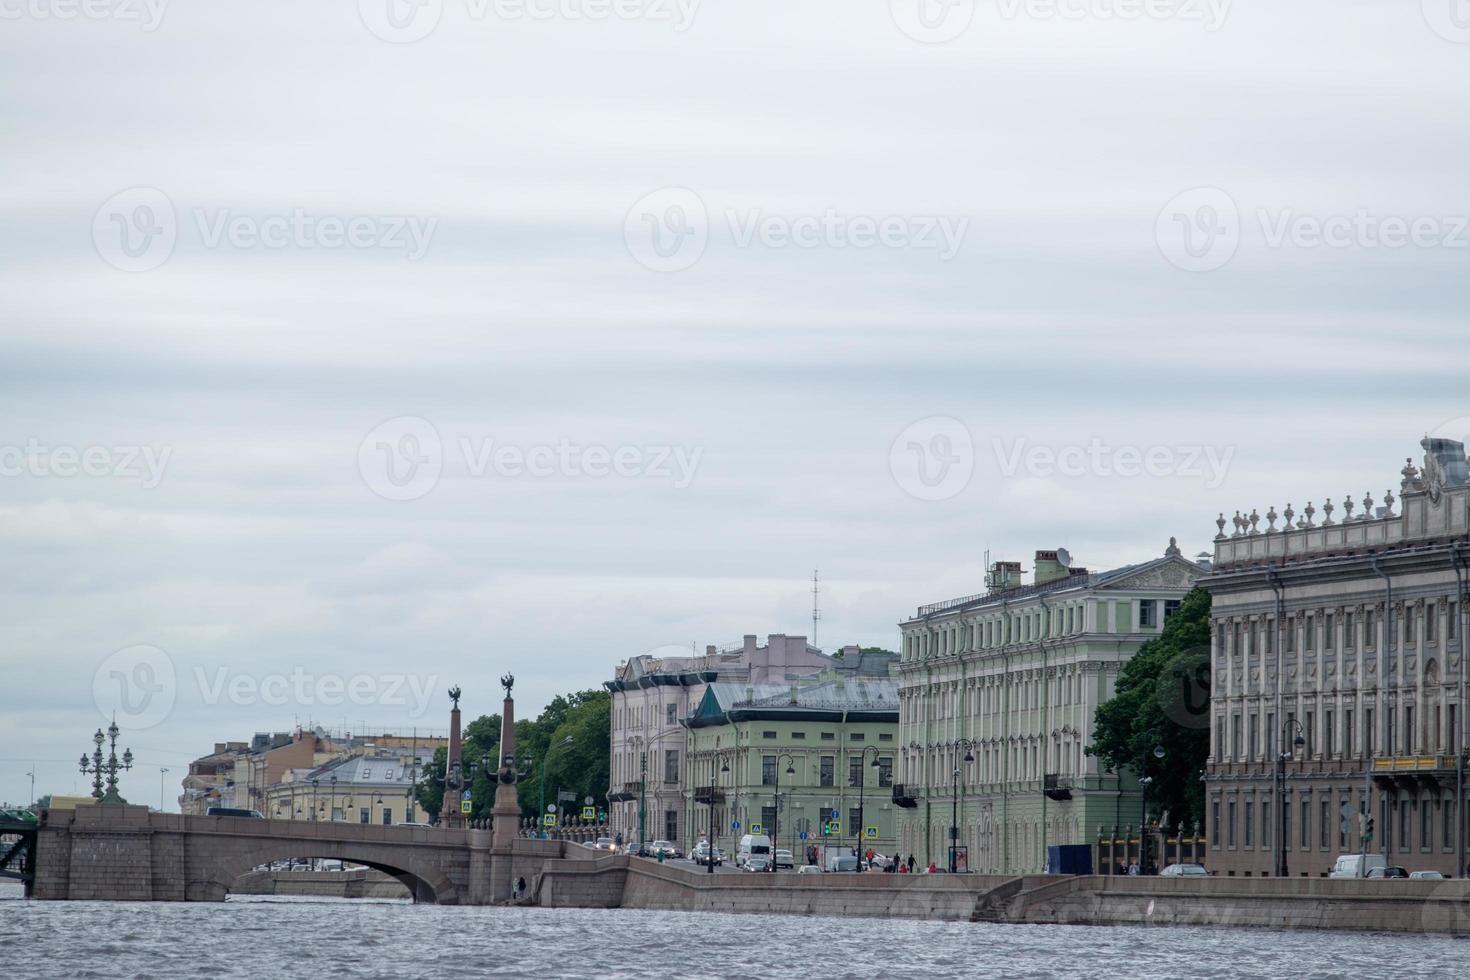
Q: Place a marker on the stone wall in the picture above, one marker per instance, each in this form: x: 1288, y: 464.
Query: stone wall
x: 359, y: 883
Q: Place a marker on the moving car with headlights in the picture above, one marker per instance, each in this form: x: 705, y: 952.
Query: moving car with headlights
x: 1184, y: 871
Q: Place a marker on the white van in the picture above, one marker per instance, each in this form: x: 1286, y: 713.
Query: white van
x: 1356, y: 865
x: 752, y: 844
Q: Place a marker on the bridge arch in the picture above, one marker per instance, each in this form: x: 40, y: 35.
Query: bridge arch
x: 425, y: 881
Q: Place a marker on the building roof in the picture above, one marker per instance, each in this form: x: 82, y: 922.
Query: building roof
x: 373, y: 770
x: 872, y: 699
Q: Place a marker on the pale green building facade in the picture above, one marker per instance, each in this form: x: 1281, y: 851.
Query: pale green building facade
x: 743, y: 739
x: 1013, y: 678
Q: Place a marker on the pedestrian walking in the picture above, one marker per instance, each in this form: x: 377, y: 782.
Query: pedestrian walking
x: 912, y: 862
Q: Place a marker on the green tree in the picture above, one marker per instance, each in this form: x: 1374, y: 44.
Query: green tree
x: 1163, y: 699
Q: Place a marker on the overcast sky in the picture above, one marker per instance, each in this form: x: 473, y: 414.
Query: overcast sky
x: 389, y: 348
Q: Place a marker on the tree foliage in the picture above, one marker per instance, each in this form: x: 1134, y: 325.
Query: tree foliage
x: 1163, y: 699
x: 580, y: 767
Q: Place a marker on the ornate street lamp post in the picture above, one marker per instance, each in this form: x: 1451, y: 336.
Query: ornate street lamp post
x: 1144, y: 782
x: 1282, y: 757
x: 954, y: 816
x: 862, y: 781
x: 713, y: 793
x: 97, y: 768
x: 776, y: 804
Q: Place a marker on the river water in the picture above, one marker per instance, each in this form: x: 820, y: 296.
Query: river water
x: 280, y: 938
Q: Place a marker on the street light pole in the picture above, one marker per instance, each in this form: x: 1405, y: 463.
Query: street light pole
x: 1144, y: 782
x: 954, y: 818
x: 776, y: 805
x: 161, y: 773
x: 1281, y: 758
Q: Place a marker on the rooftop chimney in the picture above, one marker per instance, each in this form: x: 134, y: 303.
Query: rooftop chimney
x: 1048, y: 568
x: 1004, y: 575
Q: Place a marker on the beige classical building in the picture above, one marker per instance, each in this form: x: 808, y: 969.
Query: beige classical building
x: 1012, y: 678
x: 1338, y: 686
x: 368, y: 788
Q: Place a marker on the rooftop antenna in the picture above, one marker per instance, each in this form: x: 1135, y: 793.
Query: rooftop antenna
x: 816, y: 609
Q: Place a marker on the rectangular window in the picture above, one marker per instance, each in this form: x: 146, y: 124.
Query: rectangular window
x: 1171, y: 606
x: 854, y: 770
x: 1426, y: 824
x: 1368, y: 739
x: 671, y: 825
x: 1327, y: 733
x: 1311, y: 732
x: 1285, y: 824
x: 1431, y: 630
x: 1266, y: 833
x: 828, y: 736
x: 1447, y: 823
x: 1146, y: 610
x: 1291, y: 634
x: 798, y: 736
x: 856, y: 737
x: 1368, y: 630
x: 1452, y: 620
x: 671, y: 765
x: 1309, y: 634
x: 1235, y: 736
x: 854, y: 817
x: 768, y: 822
x: 885, y: 771
x: 387, y: 816
x: 1230, y: 827
x: 1215, y: 824
x: 768, y: 770
x: 770, y: 735
x: 1219, y: 736
x: 1403, y: 825
x: 1255, y: 736
x: 1250, y: 824
x: 1324, y: 821
x: 1347, y: 733
x: 1328, y: 638
x: 1348, y: 640
x: 671, y: 714
x: 826, y: 770
x: 1409, y: 739
x: 1306, y: 824
x: 885, y: 736
x: 1409, y: 620
x: 364, y: 815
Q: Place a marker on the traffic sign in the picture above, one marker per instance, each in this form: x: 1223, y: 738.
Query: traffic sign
x: 803, y: 835
x: 734, y: 824
x: 587, y: 801
x: 872, y: 830
x: 589, y: 813
x: 549, y: 820
x: 464, y: 806
x: 465, y: 795
x: 755, y: 828
x: 551, y: 808
x: 835, y: 828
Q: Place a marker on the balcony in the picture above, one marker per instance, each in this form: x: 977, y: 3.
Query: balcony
x: 902, y: 798
x: 628, y: 792
x: 1412, y: 772
x: 709, y: 796
x: 1055, y: 787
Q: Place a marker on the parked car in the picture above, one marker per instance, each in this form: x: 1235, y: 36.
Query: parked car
x: 1388, y: 872
x: 784, y: 859
x: 605, y: 844
x: 1184, y: 871
x: 808, y: 869
x: 1426, y: 875
x: 1356, y: 865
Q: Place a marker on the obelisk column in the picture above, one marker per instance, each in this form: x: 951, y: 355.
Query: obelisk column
x: 449, y: 812
x: 507, y: 811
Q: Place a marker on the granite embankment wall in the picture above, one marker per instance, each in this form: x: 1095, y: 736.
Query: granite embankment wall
x: 1279, y: 903
x: 360, y: 883
x: 1297, y: 903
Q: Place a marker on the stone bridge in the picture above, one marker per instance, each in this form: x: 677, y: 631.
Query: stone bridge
x: 127, y: 853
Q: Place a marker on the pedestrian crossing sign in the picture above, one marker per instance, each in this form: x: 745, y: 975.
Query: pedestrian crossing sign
x: 755, y: 828
x: 549, y: 820
x: 872, y: 831
x: 834, y: 827
x: 464, y: 806
x: 589, y: 813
